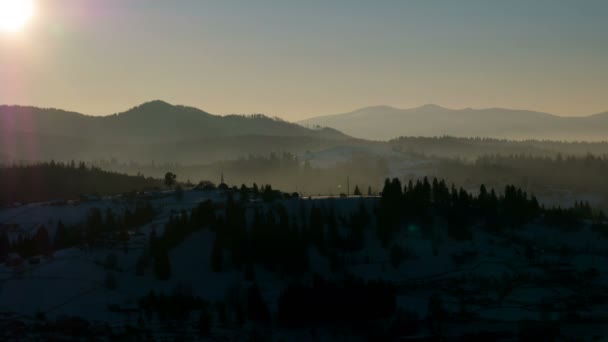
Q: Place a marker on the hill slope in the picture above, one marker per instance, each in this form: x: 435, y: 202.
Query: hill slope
x: 383, y: 123
x: 152, y: 131
x: 154, y: 121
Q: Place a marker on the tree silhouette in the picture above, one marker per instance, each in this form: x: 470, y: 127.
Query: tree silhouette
x: 43, y: 241
x: 170, y: 179
x: 217, y: 257
x: 257, y: 310
x: 436, y: 316
x: 162, y: 264
x: 204, y: 322
x: 397, y: 254
x: 4, y: 246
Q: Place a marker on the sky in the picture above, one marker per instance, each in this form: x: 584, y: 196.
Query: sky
x: 297, y: 59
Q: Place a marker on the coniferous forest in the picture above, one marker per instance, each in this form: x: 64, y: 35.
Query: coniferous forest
x: 49, y: 181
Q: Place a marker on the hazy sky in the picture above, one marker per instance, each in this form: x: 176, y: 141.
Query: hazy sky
x: 296, y: 58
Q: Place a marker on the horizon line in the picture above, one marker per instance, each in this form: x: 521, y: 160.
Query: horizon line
x: 438, y: 106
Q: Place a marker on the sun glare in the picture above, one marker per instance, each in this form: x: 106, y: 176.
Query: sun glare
x: 14, y: 14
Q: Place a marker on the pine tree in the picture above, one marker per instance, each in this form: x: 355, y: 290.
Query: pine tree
x: 357, y: 191
x: 436, y: 315
x: 162, y: 265
x: 217, y: 257
x: 333, y: 236
x: 42, y: 241
x: 4, y: 246
x: 62, y: 239
x: 244, y: 194
x: 316, y: 228
x: 397, y: 254
x: 257, y: 310
x: 204, y: 322
x: 268, y: 194
x: 170, y: 179
x: 110, y: 221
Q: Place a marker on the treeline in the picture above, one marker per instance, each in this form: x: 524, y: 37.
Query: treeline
x: 473, y: 148
x: 48, y: 181
x: 285, y: 171
x: 343, y: 303
x: 178, y: 307
x: 428, y: 205
x: 542, y: 175
x: 99, y: 225
x: 271, y: 236
x: 98, y: 228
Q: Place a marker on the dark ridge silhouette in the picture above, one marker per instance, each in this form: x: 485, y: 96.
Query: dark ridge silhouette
x: 384, y: 122
x: 151, y: 122
x: 155, y: 130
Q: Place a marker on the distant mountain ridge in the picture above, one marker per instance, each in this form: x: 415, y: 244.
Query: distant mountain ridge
x: 385, y: 123
x: 151, y: 122
x: 153, y: 131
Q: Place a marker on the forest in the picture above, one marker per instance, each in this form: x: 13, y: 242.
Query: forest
x: 49, y: 181
x: 578, y: 175
x: 471, y: 148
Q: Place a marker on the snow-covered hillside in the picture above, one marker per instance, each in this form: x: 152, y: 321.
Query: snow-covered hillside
x: 496, y: 279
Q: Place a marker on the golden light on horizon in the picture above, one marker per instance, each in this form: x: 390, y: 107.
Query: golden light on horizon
x: 14, y: 14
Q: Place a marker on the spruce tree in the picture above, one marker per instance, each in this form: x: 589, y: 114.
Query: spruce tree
x: 257, y: 310
x: 204, y: 322
x: 4, y: 246
x: 42, y: 241
x: 162, y: 265
x: 217, y: 257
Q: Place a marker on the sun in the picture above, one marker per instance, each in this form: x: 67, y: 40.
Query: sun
x: 14, y: 14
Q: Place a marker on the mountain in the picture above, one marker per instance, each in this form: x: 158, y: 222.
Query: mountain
x: 154, y: 121
x: 152, y: 131
x: 384, y: 123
